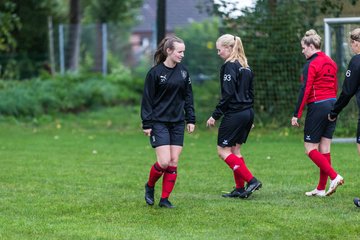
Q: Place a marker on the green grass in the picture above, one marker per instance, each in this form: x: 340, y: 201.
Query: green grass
x: 82, y: 177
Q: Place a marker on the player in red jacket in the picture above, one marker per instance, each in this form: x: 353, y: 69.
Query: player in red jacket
x: 318, y: 93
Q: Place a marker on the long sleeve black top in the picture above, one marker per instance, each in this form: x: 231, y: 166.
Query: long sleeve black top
x: 167, y: 96
x: 237, y: 91
x: 350, y: 87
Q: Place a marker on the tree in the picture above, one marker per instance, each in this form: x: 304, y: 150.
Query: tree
x: 73, y: 46
x: 271, y: 32
x: 29, y: 47
x: 200, y: 40
x: 9, y: 23
x: 110, y: 11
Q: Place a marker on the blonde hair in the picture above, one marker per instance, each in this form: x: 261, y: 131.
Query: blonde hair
x: 311, y: 37
x: 235, y: 43
x: 168, y: 42
x: 355, y: 34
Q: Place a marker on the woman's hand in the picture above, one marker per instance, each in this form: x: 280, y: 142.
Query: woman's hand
x: 147, y: 132
x: 294, y: 122
x: 190, y: 127
x: 211, y: 122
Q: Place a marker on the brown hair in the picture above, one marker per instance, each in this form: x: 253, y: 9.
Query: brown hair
x: 237, y: 53
x: 168, y: 42
x: 311, y: 37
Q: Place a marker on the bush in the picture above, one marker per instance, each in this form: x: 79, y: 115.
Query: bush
x: 70, y: 93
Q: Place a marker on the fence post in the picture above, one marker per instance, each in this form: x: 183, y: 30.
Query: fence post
x: 61, y: 49
x: 51, y: 45
x: 104, y: 48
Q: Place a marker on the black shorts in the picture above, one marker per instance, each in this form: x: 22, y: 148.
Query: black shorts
x: 167, y: 134
x: 235, y: 127
x: 317, y: 124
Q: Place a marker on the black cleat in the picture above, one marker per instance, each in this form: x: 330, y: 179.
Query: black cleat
x: 149, y: 194
x: 252, y: 186
x: 164, y: 202
x: 236, y: 193
x: 357, y: 202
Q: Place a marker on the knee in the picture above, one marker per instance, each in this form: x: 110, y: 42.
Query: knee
x: 163, y: 164
x: 223, y: 155
x: 173, y: 162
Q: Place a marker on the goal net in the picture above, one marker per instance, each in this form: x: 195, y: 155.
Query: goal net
x: 336, y: 39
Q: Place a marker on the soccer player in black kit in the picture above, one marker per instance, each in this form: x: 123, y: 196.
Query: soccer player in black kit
x: 318, y: 92
x: 167, y: 104
x: 351, y: 87
x: 236, y: 107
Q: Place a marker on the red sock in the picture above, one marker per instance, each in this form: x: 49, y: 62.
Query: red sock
x: 238, y: 166
x: 245, y: 172
x: 322, y: 163
x: 169, y: 180
x: 239, y: 181
x: 323, y: 176
x: 155, y: 173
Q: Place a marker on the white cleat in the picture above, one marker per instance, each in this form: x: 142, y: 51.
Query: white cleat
x: 316, y: 193
x: 334, y: 184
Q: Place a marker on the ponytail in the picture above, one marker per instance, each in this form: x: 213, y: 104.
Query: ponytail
x: 236, y: 45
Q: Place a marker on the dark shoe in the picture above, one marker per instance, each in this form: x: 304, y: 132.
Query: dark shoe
x: 149, y: 194
x: 164, y: 202
x: 357, y: 202
x: 236, y: 193
x: 252, y: 186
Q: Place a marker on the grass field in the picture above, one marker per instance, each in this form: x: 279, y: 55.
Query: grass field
x: 82, y: 177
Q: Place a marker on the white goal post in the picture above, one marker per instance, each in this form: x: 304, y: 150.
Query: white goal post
x: 335, y: 21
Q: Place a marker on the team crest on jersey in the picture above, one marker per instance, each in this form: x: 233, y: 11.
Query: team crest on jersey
x: 162, y: 79
x: 227, y: 77
x: 183, y: 74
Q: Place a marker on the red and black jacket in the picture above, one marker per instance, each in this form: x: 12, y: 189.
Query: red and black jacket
x: 319, y: 81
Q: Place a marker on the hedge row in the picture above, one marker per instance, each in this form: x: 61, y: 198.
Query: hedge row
x: 71, y: 93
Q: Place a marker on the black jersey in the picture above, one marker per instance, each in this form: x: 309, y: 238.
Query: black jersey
x: 167, y: 96
x: 350, y: 87
x: 237, y: 91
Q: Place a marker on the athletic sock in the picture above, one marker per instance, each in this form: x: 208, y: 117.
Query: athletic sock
x: 239, y: 167
x: 169, y: 180
x: 322, y: 162
x: 245, y: 172
x: 239, y: 181
x: 323, y: 176
x: 156, y: 172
